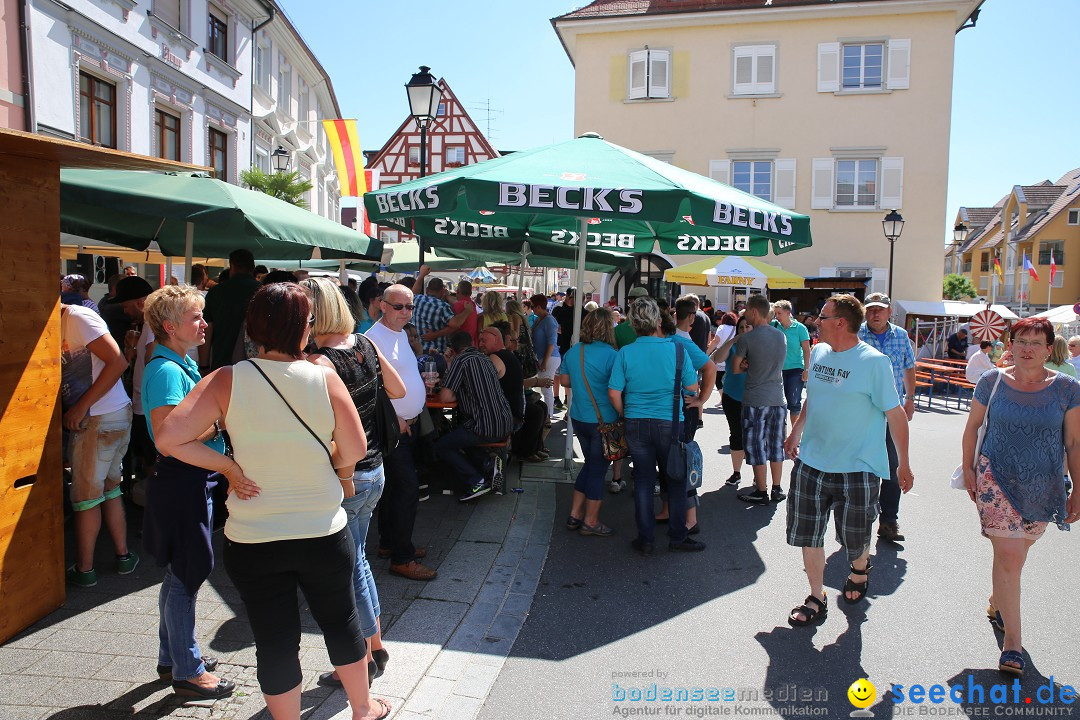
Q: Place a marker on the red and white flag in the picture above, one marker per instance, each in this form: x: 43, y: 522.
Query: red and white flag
x: 1053, y: 267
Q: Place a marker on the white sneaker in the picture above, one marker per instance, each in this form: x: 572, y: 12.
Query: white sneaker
x: 616, y: 486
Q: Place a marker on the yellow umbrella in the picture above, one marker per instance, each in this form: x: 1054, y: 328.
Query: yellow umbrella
x: 733, y: 271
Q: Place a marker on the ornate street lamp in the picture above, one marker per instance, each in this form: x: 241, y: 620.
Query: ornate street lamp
x: 281, y: 159
x: 424, y: 98
x: 959, y: 234
x: 893, y: 225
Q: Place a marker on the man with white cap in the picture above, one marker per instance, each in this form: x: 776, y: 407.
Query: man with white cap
x: 892, y: 342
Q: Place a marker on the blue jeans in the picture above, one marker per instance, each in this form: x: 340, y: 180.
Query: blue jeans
x: 177, y: 647
x: 590, y: 481
x: 889, y: 500
x: 793, y: 387
x: 650, y: 441
x: 358, y: 508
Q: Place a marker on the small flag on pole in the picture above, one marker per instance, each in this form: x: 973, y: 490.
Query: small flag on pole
x: 1053, y: 267
x: 1029, y: 267
x: 997, y: 269
x: 349, y: 161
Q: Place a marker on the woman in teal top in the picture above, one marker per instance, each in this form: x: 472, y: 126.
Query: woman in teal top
x: 642, y: 389
x: 179, y: 505
x: 586, y: 368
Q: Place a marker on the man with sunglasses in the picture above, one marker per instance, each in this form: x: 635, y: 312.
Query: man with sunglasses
x: 397, y: 507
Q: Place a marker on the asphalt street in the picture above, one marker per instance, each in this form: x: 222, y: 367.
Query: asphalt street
x: 607, y: 624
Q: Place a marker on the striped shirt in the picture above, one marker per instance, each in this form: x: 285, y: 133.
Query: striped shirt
x: 480, y: 398
x: 431, y: 314
x: 895, y: 345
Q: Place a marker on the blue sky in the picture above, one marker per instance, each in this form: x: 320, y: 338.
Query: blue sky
x: 1016, y: 106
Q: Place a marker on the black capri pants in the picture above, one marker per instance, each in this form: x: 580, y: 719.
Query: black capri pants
x: 733, y: 413
x: 267, y: 576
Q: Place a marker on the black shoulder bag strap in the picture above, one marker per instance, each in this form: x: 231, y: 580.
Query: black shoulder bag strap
x: 300, y: 419
x: 677, y: 398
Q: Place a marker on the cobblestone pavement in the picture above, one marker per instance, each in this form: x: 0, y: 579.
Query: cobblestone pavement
x: 95, y: 657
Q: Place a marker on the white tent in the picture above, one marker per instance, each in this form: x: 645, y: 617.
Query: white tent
x: 950, y: 308
x: 1062, y: 314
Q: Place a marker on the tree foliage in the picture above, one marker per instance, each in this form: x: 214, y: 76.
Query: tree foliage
x: 958, y: 287
x: 289, y: 187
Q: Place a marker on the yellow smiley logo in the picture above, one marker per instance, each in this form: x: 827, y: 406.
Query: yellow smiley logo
x: 862, y: 693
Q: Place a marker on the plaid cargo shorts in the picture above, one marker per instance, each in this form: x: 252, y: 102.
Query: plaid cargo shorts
x: 852, y: 497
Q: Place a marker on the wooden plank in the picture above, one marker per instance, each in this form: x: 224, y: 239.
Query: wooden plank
x: 31, y: 502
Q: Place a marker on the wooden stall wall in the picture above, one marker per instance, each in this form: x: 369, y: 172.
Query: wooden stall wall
x: 31, y: 509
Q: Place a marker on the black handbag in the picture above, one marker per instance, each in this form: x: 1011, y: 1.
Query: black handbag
x: 386, y: 417
x: 526, y: 353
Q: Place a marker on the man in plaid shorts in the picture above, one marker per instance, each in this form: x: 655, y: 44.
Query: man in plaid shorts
x: 760, y: 354
x: 850, y: 399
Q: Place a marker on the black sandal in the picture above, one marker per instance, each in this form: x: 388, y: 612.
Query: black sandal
x: 855, y: 587
x: 811, y: 616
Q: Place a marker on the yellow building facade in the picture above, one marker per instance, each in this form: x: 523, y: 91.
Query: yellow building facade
x: 1040, y: 221
x: 837, y: 110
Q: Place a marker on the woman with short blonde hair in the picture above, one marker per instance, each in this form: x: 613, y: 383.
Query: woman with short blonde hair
x: 598, y: 326
x: 332, y: 313
x: 1059, y: 357
x: 170, y: 303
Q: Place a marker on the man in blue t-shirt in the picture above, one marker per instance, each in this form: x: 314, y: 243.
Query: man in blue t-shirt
x: 850, y: 399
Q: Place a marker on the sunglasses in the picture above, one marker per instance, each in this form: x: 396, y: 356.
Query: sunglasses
x: 399, y: 306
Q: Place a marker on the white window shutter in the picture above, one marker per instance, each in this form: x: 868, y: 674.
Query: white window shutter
x: 743, y: 67
x: 899, y: 65
x: 827, y: 272
x: 828, y: 67
x: 892, y: 183
x: 821, y: 193
x: 637, y: 74
x: 720, y: 171
x: 659, y: 72
x: 765, y: 67
x: 784, y: 182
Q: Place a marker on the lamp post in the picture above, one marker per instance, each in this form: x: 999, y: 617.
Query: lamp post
x: 424, y: 97
x: 959, y: 235
x: 893, y: 225
x: 281, y: 159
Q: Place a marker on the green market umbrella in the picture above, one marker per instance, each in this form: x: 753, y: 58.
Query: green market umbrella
x: 193, y: 214
x: 629, y: 200
x: 588, y: 188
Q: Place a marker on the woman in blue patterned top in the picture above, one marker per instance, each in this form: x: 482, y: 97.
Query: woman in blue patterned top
x: 1033, y: 428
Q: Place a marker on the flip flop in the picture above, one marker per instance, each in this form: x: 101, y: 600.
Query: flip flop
x: 1012, y: 656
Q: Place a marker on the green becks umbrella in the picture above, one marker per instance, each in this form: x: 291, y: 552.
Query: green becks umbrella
x: 588, y: 188
x: 629, y: 201
x: 193, y: 214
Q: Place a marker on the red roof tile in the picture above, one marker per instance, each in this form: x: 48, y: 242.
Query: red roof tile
x: 623, y: 8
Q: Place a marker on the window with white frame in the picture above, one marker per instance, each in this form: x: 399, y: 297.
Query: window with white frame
x: 284, y: 85
x: 388, y: 236
x: 1055, y: 247
x: 303, y: 101
x: 441, y: 110
x: 648, y: 74
x: 262, y: 158
x: 455, y: 155
x: 217, y: 34
x: 414, y: 154
x: 1074, y: 216
x: 857, y: 271
x: 172, y: 13
x: 877, y: 66
x: 863, y: 66
x: 263, y: 62
x: 856, y: 183
x: 984, y: 284
x: 754, y: 69
x: 754, y: 177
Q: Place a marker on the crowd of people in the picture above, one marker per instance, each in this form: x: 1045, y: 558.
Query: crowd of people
x: 248, y: 385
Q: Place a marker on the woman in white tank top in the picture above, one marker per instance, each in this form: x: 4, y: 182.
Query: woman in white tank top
x: 296, y: 437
